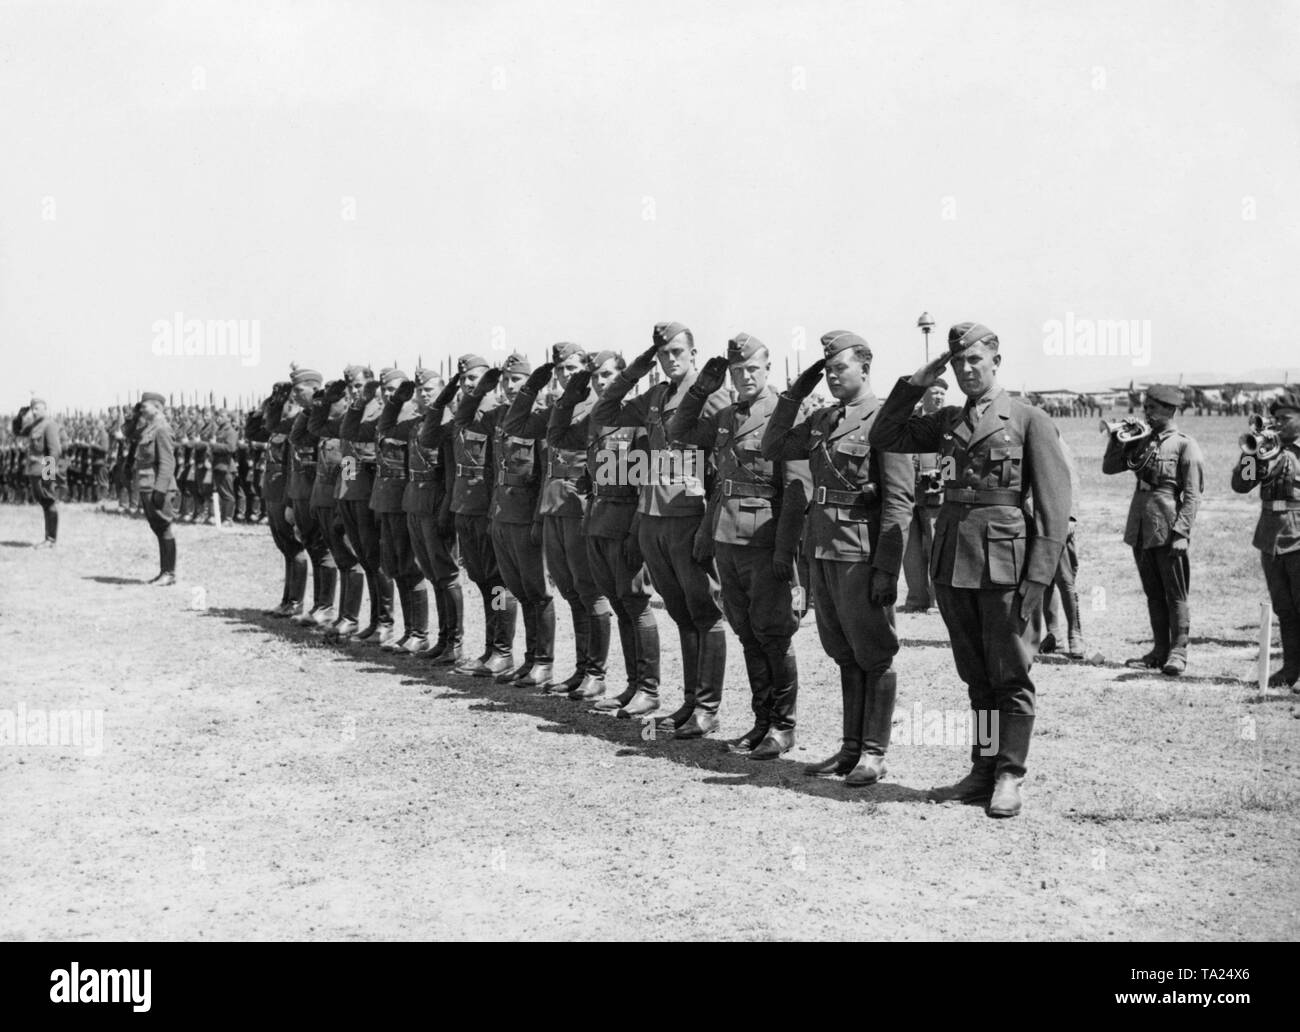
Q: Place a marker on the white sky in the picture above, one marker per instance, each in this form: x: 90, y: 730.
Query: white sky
x: 1098, y: 159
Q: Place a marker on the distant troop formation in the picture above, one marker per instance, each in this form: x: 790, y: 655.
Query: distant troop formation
x: 605, y: 481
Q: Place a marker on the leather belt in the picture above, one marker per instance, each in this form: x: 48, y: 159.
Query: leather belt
x: 561, y: 471
x: 468, y: 471
x: 740, y: 489
x: 851, y: 499
x: 1281, y: 505
x: 983, y: 496
x: 390, y: 473
x: 616, y: 491
x: 425, y: 476
x: 518, y: 480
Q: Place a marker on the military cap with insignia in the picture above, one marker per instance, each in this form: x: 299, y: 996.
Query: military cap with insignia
x: 666, y: 331
x: 597, y: 360
x: 742, y: 347
x: 300, y: 376
x: 1166, y: 395
x: 967, y: 334
x: 1288, y: 399
x: 467, y: 362
x: 559, y: 352
x: 516, y: 363
x: 153, y: 396
x: 841, y: 340
x: 392, y: 376
x: 425, y: 376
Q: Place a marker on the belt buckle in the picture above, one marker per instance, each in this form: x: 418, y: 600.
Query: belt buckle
x: 726, y: 488
x: 1278, y: 505
x: 819, y: 496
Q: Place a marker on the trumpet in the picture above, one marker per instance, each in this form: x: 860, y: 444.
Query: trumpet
x: 1127, y: 430
x: 1261, y: 441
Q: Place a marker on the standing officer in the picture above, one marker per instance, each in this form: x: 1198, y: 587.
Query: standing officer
x: 325, y: 424
x: 861, y: 506
x: 1170, y: 479
x: 222, y: 446
x: 1064, y: 582
x: 396, y: 551
x: 928, y: 492
x: 515, y: 465
x: 992, y: 558
x: 99, y: 461
x: 359, y: 468
x: 44, y: 448
x: 470, y: 499
x: 1277, y: 535
x: 279, y: 412
x: 613, y: 554
x: 564, y: 494
x: 302, y: 481
x: 756, y: 534
x: 155, y: 465
x: 673, y: 537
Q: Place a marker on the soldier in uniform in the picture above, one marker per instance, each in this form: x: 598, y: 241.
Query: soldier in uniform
x: 44, y: 449
x: 928, y: 492
x: 515, y: 465
x: 857, y: 523
x: 993, y: 555
x: 155, y: 464
x: 184, y: 445
x: 1277, y: 534
x: 673, y: 537
x: 302, y: 482
x: 396, y: 552
x: 222, y: 446
x: 613, y: 554
x: 360, y: 465
x: 470, y: 499
x: 563, y: 503
x: 278, y: 416
x: 324, y: 423
x: 756, y: 524
x: 99, y: 461
x: 1063, y: 583
x: 1170, y: 478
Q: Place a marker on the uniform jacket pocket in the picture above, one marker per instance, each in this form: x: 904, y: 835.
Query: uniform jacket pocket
x: 1006, y: 552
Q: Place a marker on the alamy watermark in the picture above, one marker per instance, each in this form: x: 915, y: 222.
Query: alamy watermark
x: 1098, y: 338
x: 198, y: 338
x: 23, y: 727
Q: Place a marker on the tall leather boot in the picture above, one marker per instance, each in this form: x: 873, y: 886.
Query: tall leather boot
x: 646, y: 633
x: 530, y: 646
x: 784, y: 669
x: 877, y: 723
x: 51, y: 524
x: 689, y: 637
x: 419, y: 624
x: 760, y: 695
x: 298, y: 591
x: 308, y: 617
x: 453, y: 603
x: 976, y: 786
x: 1014, y: 733
x: 1289, y: 630
x: 592, y: 685
x: 408, y: 607
x: 285, y: 608
x: 543, y: 670
x: 628, y: 646
x: 329, y: 578
x: 708, y: 693
x: 351, y: 584
x: 439, y: 645
x: 581, y: 645
x: 853, y: 693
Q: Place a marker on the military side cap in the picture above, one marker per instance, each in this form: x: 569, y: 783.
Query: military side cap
x: 967, y: 334
x: 840, y: 340
x: 153, y: 396
x: 1288, y: 399
x: 37, y: 401
x: 742, y: 347
x: 352, y: 371
x: 468, y: 362
x: 601, y: 357
x: 940, y: 382
x: 666, y: 331
x: 425, y: 376
x: 391, y: 376
x: 1166, y: 395
x: 305, y: 376
x: 559, y: 352
x: 516, y: 363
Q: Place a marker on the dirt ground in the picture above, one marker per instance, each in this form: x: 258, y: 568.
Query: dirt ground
x: 255, y: 783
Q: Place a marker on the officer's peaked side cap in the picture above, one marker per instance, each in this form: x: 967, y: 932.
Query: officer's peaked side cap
x: 841, y: 340
x: 968, y: 334
x: 305, y: 376
x: 153, y: 396
x: 601, y: 357
x: 666, y: 331
x: 390, y: 376
x: 1166, y: 395
x: 468, y: 362
x: 517, y: 363
x: 742, y: 347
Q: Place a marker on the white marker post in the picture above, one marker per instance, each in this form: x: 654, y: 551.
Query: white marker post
x: 1265, y: 640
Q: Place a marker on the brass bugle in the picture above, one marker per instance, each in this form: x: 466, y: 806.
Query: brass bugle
x: 1126, y: 430
x: 1261, y: 441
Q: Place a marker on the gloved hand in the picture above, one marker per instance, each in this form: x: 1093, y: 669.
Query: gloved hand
x: 334, y: 391
x: 487, y: 383
x: 447, y: 393
x: 702, y: 546
x: 370, y: 390
x: 535, y: 534
x: 632, y: 544
x: 806, y: 382
x: 405, y: 392
x: 539, y: 378
x: 883, y: 589
x: 783, y: 566
x: 643, y: 362
x: 1031, y: 599
x: 576, y: 389
x: 1178, y: 543
x: 711, y: 377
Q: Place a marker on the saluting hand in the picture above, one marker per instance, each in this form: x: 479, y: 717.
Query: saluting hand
x: 539, y: 378
x: 334, y: 391
x: 931, y: 371
x: 711, y: 377
x: 576, y: 389
x: 405, y: 392
x: 447, y: 393
x: 370, y: 389
x: 643, y: 362
x: 806, y: 382
x: 487, y: 383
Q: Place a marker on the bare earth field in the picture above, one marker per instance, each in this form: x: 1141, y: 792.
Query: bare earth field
x: 254, y: 783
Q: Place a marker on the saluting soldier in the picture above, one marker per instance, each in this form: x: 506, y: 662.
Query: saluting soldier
x: 612, y: 550
x: 155, y: 465
x: 1170, y: 478
x: 358, y: 437
x: 279, y: 413
x: 44, y: 448
x: 993, y: 555
x: 470, y: 500
x: 860, y: 508
x: 515, y: 464
x: 222, y: 446
x: 928, y: 493
x: 302, y: 481
x: 564, y: 493
x: 756, y: 523
x: 673, y: 537
x: 1277, y: 534
x: 396, y: 551
x: 324, y: 423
